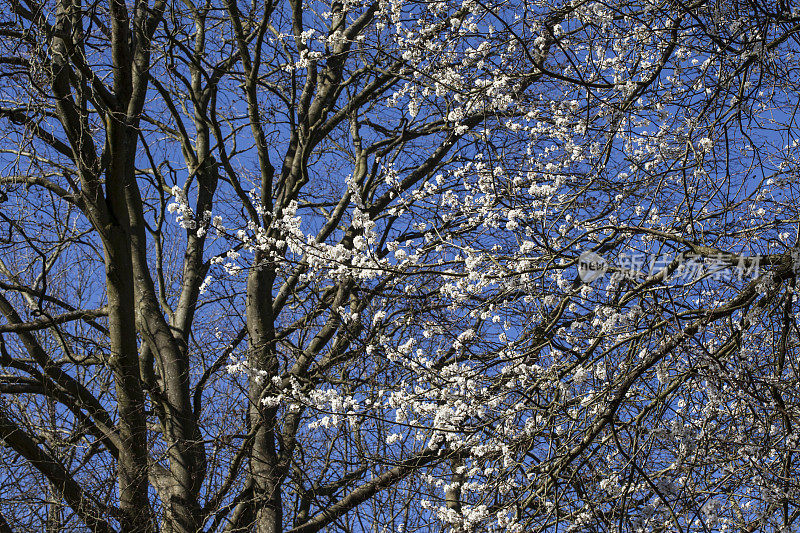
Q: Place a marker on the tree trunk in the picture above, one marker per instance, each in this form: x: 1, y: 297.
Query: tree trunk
x: 132, y: 477
x: 265, y: 470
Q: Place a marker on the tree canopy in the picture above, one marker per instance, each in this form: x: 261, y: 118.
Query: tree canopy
x: 399, y: 265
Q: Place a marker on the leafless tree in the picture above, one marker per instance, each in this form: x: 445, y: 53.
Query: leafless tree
x: 314, y: 266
